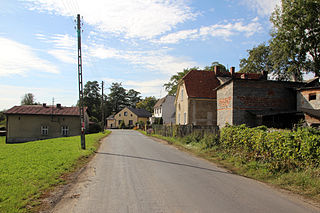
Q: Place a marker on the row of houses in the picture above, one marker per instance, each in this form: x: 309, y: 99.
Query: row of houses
x: 220, y: 97
x: 204, y: 98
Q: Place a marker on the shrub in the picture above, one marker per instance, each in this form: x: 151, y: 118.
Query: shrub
x: 209, y: 141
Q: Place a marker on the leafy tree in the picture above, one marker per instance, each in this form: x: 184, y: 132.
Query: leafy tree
x: 92, y: 98
x: 133, y: 97
x: 28, y: 99
x: 213, y: 64
x: 117, y: 97
x: 258, y: 60
x: 147, y: 103
x: 295, y: 42
x: 171, y: 86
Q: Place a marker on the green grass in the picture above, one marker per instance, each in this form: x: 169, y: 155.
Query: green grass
x: 28, y: 169
x: 305, y: 182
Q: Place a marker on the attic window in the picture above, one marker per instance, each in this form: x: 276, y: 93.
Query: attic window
x: 125, y: 113
x: 312, y: 96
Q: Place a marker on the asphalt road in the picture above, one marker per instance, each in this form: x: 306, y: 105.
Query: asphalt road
x: 133, y: 173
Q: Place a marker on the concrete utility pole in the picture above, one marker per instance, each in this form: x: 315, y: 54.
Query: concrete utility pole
x: 81, y: 108
x: 102, y: 111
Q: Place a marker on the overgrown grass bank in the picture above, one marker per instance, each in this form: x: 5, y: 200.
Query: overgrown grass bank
x: 27, y: 169
x: 288, y: 159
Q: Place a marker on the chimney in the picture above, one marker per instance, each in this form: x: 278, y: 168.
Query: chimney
x: 244, y: 76
x: 44, y: 105
x: 59, y: 106
x: 265, y: 75
x: 232, y: 71
x: 216, y: 70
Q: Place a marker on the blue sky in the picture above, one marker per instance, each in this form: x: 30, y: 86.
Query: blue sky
x: 140, y: 43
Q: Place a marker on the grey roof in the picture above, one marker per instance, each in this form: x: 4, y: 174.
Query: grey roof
x: 140, y: 112
x: 312, y: 112
x: 159, y: 102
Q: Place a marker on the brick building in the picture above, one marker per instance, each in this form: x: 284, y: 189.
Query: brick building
x: 257, y: 101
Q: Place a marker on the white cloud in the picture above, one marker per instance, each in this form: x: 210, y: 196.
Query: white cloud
x: 64, y: 47
x: 218, y: 30
x: 158, y: 60
x: 147, y: 88
x: 135, y: 18
x: 263, y: 7
x: 17, y: 58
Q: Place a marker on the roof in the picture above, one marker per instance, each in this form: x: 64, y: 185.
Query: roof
x: 271, y: 112
x: 201, y: 84
x: 140, y: 112
x: 111, y: 117
x: 309, y: 88
x: 41, y: 110
x: 312, y: 112
x: 159, y: 102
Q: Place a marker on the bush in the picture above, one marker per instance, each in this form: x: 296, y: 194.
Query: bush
x: 209, y: 141
x: 281, y: 150
x: 94, y: 128
x: 194, y: 137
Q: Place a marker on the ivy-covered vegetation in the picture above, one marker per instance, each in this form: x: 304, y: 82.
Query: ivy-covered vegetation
x: 279, y: 150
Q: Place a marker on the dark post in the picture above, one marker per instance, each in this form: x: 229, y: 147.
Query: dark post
x: 81, y: 108
x: 102, y: 110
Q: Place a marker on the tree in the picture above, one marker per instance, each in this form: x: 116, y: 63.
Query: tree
x: 92, y: 98
x: 133, y: 97
x: 171, y: 86
x: 147, y: 103
x: 28, y: 99
x: 213, y: 64
x: 117, y: 97
x: 258, y: 60
x: 295, y: 43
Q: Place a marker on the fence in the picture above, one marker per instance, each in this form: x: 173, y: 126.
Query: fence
x: 183, y: 130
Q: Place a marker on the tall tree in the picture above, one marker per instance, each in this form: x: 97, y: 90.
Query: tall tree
x: 171, y: 86
x: 295, y: 42
x: 258, y: 60
x: 117, y: 97
x: 92, y: 98
x: 147, y: 103
x: 28, y: 99
x: 133, y: 97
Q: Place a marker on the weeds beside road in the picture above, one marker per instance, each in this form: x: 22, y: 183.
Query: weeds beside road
x: 28, y: 169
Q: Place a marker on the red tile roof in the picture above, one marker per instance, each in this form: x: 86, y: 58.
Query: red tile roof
x: 41, y: 110
x: 201, y: 84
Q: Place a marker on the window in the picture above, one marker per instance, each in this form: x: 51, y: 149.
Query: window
x: 181, y: 94
x: 119, y: 114
x: 44, y: 130
x: 130, y: 122
x: 312, y: 96
x: 184, y: 118
x: 65, y: 130
x: 119, y: 122
x: 125, y: 113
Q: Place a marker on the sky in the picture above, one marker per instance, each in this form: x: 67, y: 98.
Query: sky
x: 140, y: 43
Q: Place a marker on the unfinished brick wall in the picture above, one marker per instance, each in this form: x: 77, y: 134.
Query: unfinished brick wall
x: 225, y: 105
x: 260, y: 95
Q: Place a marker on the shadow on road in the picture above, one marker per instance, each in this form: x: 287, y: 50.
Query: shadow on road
x: 161, y: 161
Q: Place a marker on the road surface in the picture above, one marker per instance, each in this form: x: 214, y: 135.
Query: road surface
x: 135, y: 174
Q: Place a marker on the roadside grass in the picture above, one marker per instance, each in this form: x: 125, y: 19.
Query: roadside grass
x: 304, y: 182
x: 29, y: 169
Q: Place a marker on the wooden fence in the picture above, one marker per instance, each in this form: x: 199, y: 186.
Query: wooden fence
x: 183, y: 130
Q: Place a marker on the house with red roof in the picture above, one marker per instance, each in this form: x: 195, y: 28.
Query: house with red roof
x: 196, y: 99
x: 37, y: 122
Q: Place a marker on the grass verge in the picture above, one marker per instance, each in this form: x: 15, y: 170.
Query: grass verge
x: 28, y: 169
x: 303, y: 182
